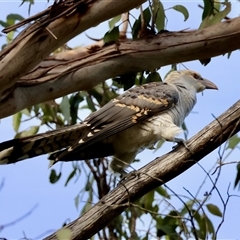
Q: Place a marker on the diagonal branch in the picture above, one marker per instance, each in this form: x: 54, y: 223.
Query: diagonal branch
x: 60, y: 74
x: 154, y: 174
x: 52, y: 30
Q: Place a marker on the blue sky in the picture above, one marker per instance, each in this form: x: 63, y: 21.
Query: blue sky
x: 26, y: 184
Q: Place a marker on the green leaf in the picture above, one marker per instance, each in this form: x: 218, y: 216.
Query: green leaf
x: 64, y: 234
x: 74, y: 101
x: 147, y: 16
x: 54, y: 177
x: 113, y: 21
x: 207, y: 9
x: 127, y: 80
x: 111, y: 36
x: 213, y: 19
x: 26, y: 112
x: 233, y: 142
x: 76, y: 201
x: 4, y: 24
x: 210, y: 227
x: 65, y: 108
x: 183, y: 10
x: 14, y: 17
x: 159, y: 144
x: 237, y: 179
x: 71, y: 175
x: 213, y: 209
x: 147, y: 200
x: 153, y: 77
x: 163, y: 192
x: 137, y: 24
x: 31, y: 131
x: 16, y: 121
x: 160, y: 18
x: 90, y: 103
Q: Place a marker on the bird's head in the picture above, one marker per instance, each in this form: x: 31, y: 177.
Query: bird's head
x: 190, y: 78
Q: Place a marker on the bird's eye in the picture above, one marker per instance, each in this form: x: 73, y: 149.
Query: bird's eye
x: 196, y: 76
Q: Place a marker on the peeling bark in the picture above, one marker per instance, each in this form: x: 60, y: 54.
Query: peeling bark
x: 51, y: 30
x: 84, y: 68
x: 154, y: 174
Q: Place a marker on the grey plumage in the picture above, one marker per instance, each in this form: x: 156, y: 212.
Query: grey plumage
x: 126, y: 125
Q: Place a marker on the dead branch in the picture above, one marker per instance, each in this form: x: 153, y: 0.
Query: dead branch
x: 84, y: 68
x: 154, y: 174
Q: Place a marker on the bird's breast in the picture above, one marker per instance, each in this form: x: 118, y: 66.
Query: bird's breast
x: 146, y: 134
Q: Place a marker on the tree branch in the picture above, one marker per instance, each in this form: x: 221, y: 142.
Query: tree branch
x: 60, y: 75
x: 154, y: 174
x: 51, y: 30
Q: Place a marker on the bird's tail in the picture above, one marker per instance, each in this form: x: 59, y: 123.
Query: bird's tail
x: 19, y: 149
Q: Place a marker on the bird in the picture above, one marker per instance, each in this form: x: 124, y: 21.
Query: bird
x: 122, y: 128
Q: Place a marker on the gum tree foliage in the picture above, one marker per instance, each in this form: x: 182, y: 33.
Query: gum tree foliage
x: 192, y: 219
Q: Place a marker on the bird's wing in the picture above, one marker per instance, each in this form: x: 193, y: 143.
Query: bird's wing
x: 134, y: 106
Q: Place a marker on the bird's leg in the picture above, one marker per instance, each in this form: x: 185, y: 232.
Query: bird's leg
x: 127, y: 176
x: 182, y: 142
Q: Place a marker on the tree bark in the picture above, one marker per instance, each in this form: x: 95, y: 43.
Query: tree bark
x: 154, y: 174
x: 60, y: 75
x: 53, y: 28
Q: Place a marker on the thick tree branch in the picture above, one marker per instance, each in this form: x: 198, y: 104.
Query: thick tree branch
x: 157, y: 172
x: 60, y: 76
x: 52, y: 30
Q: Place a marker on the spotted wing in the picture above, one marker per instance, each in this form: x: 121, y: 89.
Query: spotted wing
x: 132, y: 107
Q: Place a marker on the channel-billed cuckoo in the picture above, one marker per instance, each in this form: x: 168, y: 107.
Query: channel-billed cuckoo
x: 125, y: 126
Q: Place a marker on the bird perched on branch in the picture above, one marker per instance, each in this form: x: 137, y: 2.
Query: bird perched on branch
x: 125, y: 126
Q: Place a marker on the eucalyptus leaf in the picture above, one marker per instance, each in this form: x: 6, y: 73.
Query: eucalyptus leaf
x: 16, y: 121
x: 213, y: 209
x: 183, y: 10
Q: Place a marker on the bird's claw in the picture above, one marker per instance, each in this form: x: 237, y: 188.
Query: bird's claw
x: 179, y: 142
x: 127, y: 176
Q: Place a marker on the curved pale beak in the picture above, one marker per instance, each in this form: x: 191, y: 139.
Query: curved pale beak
x: 208, y: 84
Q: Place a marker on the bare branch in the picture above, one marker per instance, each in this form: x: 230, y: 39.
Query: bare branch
x: 83, y: 69
x: 157, y: 172
x: 51, y: 29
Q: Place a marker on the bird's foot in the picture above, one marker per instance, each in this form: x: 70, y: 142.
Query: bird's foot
x: 127, y: 176
x: 179, y: 142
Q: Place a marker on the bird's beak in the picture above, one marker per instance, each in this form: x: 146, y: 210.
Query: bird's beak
x: 208, y: 84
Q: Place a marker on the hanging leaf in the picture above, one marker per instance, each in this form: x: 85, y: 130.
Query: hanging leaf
x: 113, y: 21
x: 71, y: 175
x: 74, y: 102
x: 138, y: 24
x: 90, y: 103
x: 111, y: 36
x: 237, y: 179
x: 160, y: 18
x: 16, y: 121
x: 65, y: 108
x: 213, y: 19
x: 183, y: 10
x: 54, y: 177
x: 163, y: 192
x: 126, y: 80
x: 31, y: 131
x: 210, y: 227
x: 76, y: 201
x: 207, y: 9
x: 26, y: 112
x: 213, y: 209
x: 233, y: 142
x: 153, y: 77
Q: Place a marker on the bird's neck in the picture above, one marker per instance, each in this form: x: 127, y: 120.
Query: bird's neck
x: 185, y: 104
